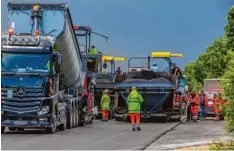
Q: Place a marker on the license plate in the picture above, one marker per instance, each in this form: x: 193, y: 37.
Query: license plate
x: 20, y: 122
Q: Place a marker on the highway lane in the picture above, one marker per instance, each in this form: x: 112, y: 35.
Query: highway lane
x: 101, y: 135
x: 189, y: 134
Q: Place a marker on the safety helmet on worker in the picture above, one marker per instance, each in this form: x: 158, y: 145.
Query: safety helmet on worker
x: 105, y: 91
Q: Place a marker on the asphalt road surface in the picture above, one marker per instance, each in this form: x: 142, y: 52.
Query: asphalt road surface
x: 100, y: 136
x: 189, y: 134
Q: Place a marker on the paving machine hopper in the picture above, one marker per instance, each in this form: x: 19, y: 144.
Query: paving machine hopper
x: 157, y: 88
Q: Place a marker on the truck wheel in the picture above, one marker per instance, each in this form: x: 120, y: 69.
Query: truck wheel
x: 76, y: 117
x: 73, y: 117
x: 20, y: 129
x: 52, y: 129
x: 69, y: 120
x: 2, y: 129
x: 80, y: 120
x: 12, y: 128
x: 63, y: 126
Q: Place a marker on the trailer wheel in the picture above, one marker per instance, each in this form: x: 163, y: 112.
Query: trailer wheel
x: 20, y: 129
x: 76, y: 117
x: 2, y: 129
x: 69, y: 120
x: 63, y: 126
x: 12, y: 128
x: 73, y: 117
x: 81, y: 119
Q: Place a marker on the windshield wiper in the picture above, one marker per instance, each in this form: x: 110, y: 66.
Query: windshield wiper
x: 36, y: 74
x: 9, y: 73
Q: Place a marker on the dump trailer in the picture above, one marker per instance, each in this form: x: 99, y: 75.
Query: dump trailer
x: 43, y: 82
x: 157, y: 88
x: 107, y: 81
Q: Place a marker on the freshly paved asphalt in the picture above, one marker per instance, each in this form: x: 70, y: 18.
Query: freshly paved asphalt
x: 189, y: 134
x: 100, y: 136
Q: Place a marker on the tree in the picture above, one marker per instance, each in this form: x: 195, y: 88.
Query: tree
x: 229, y: 91
x: 217, y: 62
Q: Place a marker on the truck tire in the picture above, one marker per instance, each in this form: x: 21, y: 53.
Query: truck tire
x: 51, y: 130
x: 80, y: 120
x: 2, y: 129
x: 69, y: 120
x: 73, y: 117
x: 76, y: 117
x: 12, y: 128
x: 63, y: 126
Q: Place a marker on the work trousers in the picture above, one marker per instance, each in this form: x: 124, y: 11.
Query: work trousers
x: 202, y: 111
x: 105, y: 114
x: 135, y: 118
x: 189, y: 113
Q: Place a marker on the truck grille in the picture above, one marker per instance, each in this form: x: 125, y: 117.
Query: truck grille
x: 30, y: 102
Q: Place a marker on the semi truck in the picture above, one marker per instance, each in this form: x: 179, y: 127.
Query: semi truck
x: 44, y: 84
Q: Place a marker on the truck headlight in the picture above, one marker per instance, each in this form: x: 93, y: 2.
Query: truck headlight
x: 44, y: 110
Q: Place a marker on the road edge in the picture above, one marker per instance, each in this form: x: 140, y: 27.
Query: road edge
x: 155, y: 138
x: 195, y: 144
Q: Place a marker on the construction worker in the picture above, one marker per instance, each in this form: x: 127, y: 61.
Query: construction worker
x: 118, y: 71
x: 203, y: 101
x: 216, y: 106
x: 194, y: 102
x: 105, y: 105
x: 134, y: 101
x: 176, y: 70
x: 93, y: 60
x: 154, y: 68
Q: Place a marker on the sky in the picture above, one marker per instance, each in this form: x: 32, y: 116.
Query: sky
x: 137, y: 27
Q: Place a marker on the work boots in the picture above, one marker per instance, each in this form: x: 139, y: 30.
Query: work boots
x: 138, y: 128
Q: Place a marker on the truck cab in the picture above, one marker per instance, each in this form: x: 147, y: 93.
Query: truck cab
x: 30, y: 75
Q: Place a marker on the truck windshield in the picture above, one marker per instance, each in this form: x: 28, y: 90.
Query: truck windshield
x: 25, y: 62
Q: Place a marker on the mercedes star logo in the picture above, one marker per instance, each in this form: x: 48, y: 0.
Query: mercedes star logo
x: 20, y: 91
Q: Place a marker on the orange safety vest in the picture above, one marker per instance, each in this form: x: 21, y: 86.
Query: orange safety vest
x: 216, y: 104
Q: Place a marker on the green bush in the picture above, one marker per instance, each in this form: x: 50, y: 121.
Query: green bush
x: 222, y: 146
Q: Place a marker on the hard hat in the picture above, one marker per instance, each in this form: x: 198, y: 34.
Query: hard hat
x: 105, y: 91
x: 133, y: 88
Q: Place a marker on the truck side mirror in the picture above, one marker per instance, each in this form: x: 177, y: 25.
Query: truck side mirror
x: 56, y: 60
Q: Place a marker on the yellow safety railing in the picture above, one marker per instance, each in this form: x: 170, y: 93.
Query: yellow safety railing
x: 112, y: 58
x: 165, y: 55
